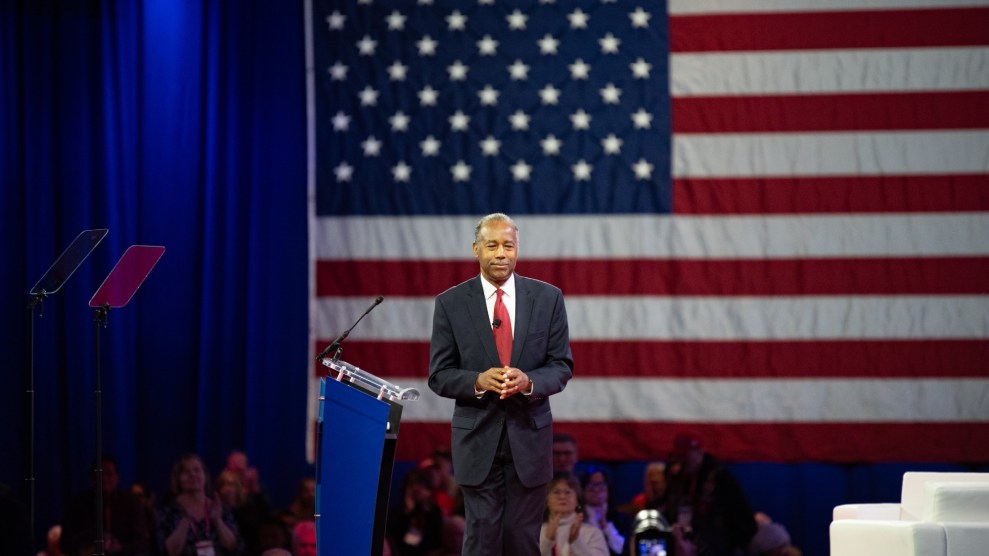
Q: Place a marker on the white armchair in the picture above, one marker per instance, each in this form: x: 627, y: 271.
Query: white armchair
x: 939, y: 514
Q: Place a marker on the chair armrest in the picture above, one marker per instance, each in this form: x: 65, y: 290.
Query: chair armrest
x: 867, y: 511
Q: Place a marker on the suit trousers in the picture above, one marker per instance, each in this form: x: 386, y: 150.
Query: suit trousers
x: 503, y: 515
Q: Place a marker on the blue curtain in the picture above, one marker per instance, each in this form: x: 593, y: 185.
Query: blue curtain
x: 174, y: 123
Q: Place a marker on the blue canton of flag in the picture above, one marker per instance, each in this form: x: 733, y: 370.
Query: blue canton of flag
x: 450, y: 107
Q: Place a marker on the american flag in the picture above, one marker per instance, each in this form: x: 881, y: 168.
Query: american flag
x: 768, y: 217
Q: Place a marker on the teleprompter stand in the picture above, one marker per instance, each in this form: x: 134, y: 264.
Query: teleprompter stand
x: 115, y: 292
x: 357, y: 437
x: 52, y: 281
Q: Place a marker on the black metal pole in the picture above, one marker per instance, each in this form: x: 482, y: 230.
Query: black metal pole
x: 36, y: 300
x: 100, y: 318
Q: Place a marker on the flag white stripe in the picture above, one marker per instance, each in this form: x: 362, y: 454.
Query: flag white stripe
x: 685, y: 7
x: 701, y: 318
x: 688, y: 237
x: 830, y: 154
x: 829, y: 71
x: 747, y: 401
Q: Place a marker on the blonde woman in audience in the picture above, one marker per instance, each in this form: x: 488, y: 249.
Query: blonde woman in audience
x: 193, y: 522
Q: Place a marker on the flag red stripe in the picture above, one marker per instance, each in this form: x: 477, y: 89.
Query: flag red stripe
x: 845, y: 112
x: 835, y: 442
x: 725, y: 277
x: 830, y: 30
x: 844, y: 194
x: 754, y: 359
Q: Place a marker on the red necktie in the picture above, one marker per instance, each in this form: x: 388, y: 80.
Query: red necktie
x: 502, y: 331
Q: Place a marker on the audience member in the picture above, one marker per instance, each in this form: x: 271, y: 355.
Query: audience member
x: 52, y: 539
x: 304, y: 539
x: 415, y: 526
x: 653, y: 495
x: 452, y: 538
x: 126, y: 531
x: 276, y: 552
x: 248, y: 510
x: 564, y: 532
x: 771, y: 539
x: 446, y: 492
x: 614, y: 525
x: 237, y: 463
x: 272, y: 533
x: 706, y: 497
x: 142, y: 491
x: 303, y: 506
x: 564, y: 453
x: 192, y: 522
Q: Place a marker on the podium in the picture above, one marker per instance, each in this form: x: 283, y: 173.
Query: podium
x: 357, y: 435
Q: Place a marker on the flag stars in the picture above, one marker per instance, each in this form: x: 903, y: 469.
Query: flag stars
x: 518, y: 71
x: 578, y: 19
x: 338, y: 71
x: 457, y: 71
x: 642, y: 119
x: 640, y: 18
x: 551, y: 145
x: 490, y: 146
x: 611, y: 94
x: 642, y: 169
x: 521, y: 171
x: 335, y: 20
x: 397, y: 71
x: 341, y: 121
x: 640, y: 69
x: 612, y: 144
x: 459, y: 121
x: 460, y: 171
x: 548, y: 45
x: 430, y: 146
x: 396, y: 21
x: 371, y: 146
x: 401, y: 172
x: 487, y: 46
x: 343, y: 171
x: 580, y: 119
x: 549, y: 95
x: 609, y: 44
x: 428, y: 96
x: 426, y: 46
x: 369, y: 96
x: 519, y: 120
x: 582, y: 170
x: 366, y: 46
x: 516, y: 20
x: 456, y: 21
x: 488, y: 95
x: 399, y: 122
x: 579, y: 69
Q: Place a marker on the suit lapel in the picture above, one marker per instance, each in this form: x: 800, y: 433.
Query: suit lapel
x: 523, y: 315
x: 478, y: 309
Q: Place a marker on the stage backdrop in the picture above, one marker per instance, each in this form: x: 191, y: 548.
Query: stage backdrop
x: 179, y: 124
x: 768, y: 218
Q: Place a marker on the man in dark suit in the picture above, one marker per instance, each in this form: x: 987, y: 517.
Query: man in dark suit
x: 500, y: 347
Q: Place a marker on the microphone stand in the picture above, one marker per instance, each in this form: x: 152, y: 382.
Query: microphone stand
x: 37, y: 300
x: 335, y: 346
x: 102, y: 313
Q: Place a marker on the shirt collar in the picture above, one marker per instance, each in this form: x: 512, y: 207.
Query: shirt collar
x: 508, y: 287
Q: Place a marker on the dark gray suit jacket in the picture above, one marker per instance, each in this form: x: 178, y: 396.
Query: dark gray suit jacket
x: 462, y: 346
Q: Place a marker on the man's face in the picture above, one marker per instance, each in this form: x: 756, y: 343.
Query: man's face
x: 564, y: 456
x: 496, y: 249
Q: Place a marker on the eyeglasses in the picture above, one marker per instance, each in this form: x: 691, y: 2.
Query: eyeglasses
x: 562, y: 492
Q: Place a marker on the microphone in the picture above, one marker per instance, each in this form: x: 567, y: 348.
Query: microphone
x: 496, y: 323
x: 336, y: 343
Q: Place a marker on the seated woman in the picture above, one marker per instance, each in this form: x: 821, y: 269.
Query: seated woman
x: 193, y: 523
x: 612, y: 523
x: 564, y: 532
